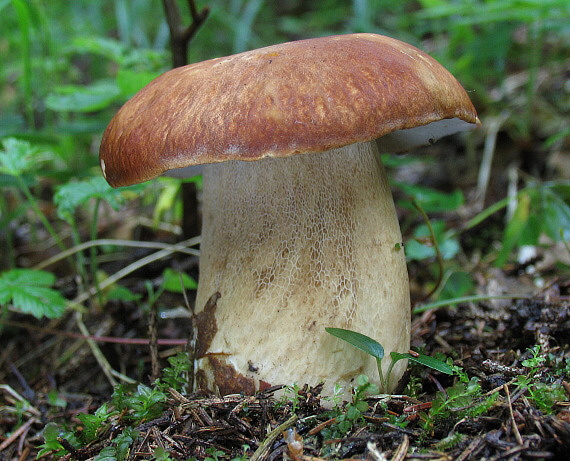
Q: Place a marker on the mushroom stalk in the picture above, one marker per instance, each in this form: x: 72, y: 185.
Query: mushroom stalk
x: 294, y: 245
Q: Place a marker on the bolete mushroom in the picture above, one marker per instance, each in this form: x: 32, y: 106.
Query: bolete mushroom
x: 299, y: 226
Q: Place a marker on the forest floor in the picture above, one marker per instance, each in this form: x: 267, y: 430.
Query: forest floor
x: 511, y: 402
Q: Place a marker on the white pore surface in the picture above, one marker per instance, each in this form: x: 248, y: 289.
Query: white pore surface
x: 293, y: 246
x: 404, y: 140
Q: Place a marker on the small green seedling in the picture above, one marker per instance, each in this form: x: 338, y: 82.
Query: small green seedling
x: 131, y: 405
x: 375, y: 349
x: 176, y: 375
x: 351, y: 415
x: 52, y: 446
x: 544, y: 395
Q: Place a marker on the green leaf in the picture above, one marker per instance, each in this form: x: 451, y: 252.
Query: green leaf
x: 425, y: 360
x: 514, y: 229
x: 458, y: 284
x: 167, y: 198
x: 549, y: 213
x: 73, y: 194
x: 29, y: 292
x: 161, y: 454
x: 19, y: 157
x: 51, y: 445
x: 55, y: 400
x: 93, y: 424
x: 178, y: 282
x: 130, y: 81
x: 77, y: 98
x: 121, y: 293
x: 556, y: 215
x: 107, y: 454
x: 417, y: 251
x: 124, y: 441
x: 116, y: 51
x: 23, y: 11
x: 105, y: 47
x: 354, y: 412
x: 531, y: 233
x: 431, y: 200
x: 143, y: 403
x: 4, y: 4
x: 176, y: 376
x: 358, y: 340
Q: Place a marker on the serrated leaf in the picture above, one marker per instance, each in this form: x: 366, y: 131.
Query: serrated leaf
x: 91, y: 424
x: 19, y: 157
x: 73, y: 194
x: 358, y: 340
x: 94, y: 423
x: 124, y: 441
x: 30, y: 292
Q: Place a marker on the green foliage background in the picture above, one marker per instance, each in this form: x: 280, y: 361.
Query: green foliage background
x: 62, y: 61
x: 67, y: 66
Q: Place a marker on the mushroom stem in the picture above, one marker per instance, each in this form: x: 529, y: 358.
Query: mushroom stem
x: 294, y: 245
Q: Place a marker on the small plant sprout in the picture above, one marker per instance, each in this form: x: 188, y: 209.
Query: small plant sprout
x: 544, y: 395
x: 461, y: 399
x: 132, y: 405
x: 375, y: 349
x: 536, y: 361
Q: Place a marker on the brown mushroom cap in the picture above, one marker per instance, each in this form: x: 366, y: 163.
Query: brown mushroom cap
x: 287, y: 99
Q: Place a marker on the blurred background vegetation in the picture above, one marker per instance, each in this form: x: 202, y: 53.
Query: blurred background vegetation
x: 64, y: 63
x: 67, y: 66
x: 498, y: 198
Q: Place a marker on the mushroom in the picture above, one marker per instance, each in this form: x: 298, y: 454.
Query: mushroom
x: 299, y: 226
